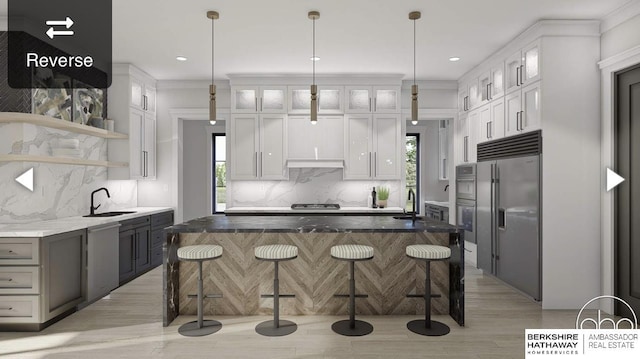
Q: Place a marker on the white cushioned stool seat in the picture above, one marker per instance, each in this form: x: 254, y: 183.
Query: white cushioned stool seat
x: 200, y: 252
x: 352, y: 251
x: 276, y: 252
x: 428, y: 251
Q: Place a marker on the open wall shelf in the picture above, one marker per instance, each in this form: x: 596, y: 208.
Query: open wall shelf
x: 46, y: 121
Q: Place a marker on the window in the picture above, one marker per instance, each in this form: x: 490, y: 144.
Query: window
x: 219, y: 175
x: 412, y: 176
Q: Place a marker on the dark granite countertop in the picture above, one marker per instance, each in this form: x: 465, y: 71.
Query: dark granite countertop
x: 308, y: 224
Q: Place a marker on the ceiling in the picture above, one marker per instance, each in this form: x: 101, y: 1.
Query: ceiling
x: 355, y: 36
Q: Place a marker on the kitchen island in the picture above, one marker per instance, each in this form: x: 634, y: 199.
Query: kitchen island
x: 314, y: 277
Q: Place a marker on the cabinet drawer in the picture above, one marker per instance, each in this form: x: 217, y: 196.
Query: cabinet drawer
x: 157, y: 238
x: 19, y: 251
x: 19, y: 309
x: 19, y: 280
x: 162, y: 220
x: 156, y: 256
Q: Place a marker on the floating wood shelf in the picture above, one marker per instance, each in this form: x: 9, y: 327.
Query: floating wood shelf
x: 46, y: 121
x: 61, y: 160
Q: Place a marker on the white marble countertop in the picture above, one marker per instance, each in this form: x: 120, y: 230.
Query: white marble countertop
x: 288, y: 210
x: 62, y: 225
x: 437, y: 203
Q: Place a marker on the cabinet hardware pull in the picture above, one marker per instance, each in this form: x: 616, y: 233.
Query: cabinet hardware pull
x: 7, y: 308
x: 8, y: 252
x: 488, y: 92
x: 256, y: 159
x: 518, y: 121
x: 375, y: 104
x: 369, y: 104
x: 6, y: 279
x: 261, y: 104
x: 261, y: 163
x: 491, y: 130
x: 521, y: 74
x: 256, y: 103
x: 521, y: 120
x: 375, y: 163
x: 370, y: 166
x: 487, y: 130
x: 518, y: 76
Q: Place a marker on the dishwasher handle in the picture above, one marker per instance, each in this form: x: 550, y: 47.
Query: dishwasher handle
x: 105, y: 227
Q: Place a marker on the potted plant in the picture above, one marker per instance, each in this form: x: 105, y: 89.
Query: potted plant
x: 383, y: 196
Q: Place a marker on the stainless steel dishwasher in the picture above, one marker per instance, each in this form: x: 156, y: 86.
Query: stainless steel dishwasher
x: 102, y: 260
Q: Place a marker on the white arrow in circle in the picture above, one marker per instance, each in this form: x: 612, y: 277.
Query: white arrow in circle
x: 52, y: 33
x: 613, y: 180
x: 26, y: 179
x: 67, y: 22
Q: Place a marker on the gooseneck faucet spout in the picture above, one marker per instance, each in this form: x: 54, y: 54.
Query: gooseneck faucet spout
x: 93, y: 209
x: 413, y: 205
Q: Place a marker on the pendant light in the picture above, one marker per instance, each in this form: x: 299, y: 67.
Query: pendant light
x: 413, y: 16
x: 213, y: 15
x: 314, y: 15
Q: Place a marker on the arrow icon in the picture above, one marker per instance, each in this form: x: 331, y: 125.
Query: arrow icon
x: 26, y: 179
x: 53, y: 33
x: 613, y: 180
x: 67, y: 22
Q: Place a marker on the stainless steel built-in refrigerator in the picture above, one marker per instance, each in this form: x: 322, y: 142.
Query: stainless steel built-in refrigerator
x: 508, y: 211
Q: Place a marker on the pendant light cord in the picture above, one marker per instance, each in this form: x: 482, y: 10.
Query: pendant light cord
x: 313, y: 59
x: 414, y: 52
x: 213, y: 46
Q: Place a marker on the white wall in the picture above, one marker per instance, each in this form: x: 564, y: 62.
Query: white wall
x: 570, y: 172
x: 621, y: 38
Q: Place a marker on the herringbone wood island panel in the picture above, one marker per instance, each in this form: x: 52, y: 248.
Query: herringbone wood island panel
x: 314, y: 277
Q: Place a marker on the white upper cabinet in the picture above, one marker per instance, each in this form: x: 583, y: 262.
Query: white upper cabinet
x: 273, y: 148
x: 463, y: 99
x: 474, y: 94
x: 132, y: 104
x: 372, y: 99
x: 523, y: 67
x: 491, y: 125
x: 264, y: 99
x: 523, y: 110
x: 359, y: 147
x: 387, y: 144
x: 373, y: 147
x: 143, y: 95
x: 322, y: 141
x: 330, y: 100
x: 258, y: 147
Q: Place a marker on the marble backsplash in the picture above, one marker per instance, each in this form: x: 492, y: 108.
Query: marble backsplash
x: 59, y: 190
x: 308, y: 185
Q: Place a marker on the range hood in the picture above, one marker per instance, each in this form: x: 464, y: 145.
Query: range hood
x: 311, y: 163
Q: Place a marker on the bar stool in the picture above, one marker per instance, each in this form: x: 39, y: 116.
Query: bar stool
x: 276, y: 253
x: 427, y: 253
x: 352, y: 253
x: 199, y: 254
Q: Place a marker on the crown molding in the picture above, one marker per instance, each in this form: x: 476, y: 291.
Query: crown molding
x: 191, y: 84
x: 621, y: 60
x: 620, y: 15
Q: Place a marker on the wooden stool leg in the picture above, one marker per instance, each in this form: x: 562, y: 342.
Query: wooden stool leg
x: 276, y: 298
x: 200, y: 295
x: 352, y: 295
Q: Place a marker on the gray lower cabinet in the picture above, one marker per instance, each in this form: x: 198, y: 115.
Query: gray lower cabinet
x: 158, y: 235
x: 41, y: 279
x: 134, y: 248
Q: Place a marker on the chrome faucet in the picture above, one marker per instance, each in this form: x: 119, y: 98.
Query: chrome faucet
x: 93, y: 209
x: 413, y: 205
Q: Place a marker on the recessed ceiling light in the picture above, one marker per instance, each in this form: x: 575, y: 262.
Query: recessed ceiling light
x: 315, y: 58
x: 181, y: 58
x: 454, y: 59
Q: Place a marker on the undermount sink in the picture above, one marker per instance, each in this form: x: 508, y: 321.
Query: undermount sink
x: 110, y: 214
x: 418, y: 218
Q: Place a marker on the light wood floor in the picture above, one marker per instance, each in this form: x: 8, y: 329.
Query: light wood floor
x: 128, y: 324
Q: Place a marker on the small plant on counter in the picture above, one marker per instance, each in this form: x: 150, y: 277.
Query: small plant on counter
x: 383, y: 193
x: 383, y: 196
